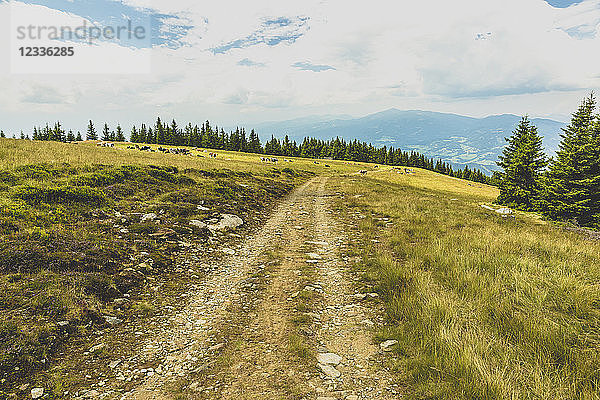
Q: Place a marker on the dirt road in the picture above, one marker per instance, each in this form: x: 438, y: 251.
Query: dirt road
x: 279, y: 319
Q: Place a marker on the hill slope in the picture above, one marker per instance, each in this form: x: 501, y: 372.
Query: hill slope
x: 458, y: 139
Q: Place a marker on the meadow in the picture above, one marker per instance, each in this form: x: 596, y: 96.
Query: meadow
x: 483, y: 307
x: 88, y: 232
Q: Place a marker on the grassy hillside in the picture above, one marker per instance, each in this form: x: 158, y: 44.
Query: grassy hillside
x: 481, y: 306
x: 87, y: 233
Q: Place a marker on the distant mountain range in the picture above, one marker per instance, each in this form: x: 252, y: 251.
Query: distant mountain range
x: 457, y: 139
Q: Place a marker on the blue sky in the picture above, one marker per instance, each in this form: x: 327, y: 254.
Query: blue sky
x: 236, y: 62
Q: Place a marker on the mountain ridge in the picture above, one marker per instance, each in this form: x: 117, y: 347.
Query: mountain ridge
x: 458, y: 139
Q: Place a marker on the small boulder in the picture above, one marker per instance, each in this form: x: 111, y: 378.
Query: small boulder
x: 36, y: 393
x: 227, y: 221
x: 148, y: 217
x: 330, y: 371
x: 329, y: 358
x: 388, y: 345
x: 198, y: 224
x: 504, y: 211
x: 113, y: 321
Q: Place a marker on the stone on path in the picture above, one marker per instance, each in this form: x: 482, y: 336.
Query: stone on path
x: 329, y: 358
x: 329, y: 371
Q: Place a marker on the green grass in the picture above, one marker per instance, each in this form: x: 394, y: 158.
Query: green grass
x: 482, y: 307
x: 72, y: 236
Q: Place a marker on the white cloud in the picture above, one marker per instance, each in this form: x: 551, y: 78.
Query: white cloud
x: 537, y: 59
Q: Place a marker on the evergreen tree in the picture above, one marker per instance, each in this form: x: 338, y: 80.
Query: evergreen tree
x: 134, y: 138
x: 523, y: 161
x: 78, y: 138
x: 70, y: 136
x: 159, y: 131
x: 2, y: 135
x: 571, y: 189
x: 119, y: 136
x: 91, y: 132
x: 105, y: 133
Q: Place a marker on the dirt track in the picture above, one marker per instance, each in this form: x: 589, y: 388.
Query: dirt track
x: 245, y: 334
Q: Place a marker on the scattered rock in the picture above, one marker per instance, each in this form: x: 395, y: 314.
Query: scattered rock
x: 228, y: 221
x: 92, y: 394
x: 97, y: 348
x: 36, y: 393
x: 329, y: 358
x: 198, y: 224
x: 504, y: 211
x: 148, y: 217
x: 113, y: 321
x: 114, y: 364
x: 352, y: 397
x: 314, y: 256
x: 388, y: 344
x: 330, y: 371
x: 229, y: 252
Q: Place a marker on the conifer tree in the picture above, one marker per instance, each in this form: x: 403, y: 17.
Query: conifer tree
x: 105, y: 133
x: 523, y: 161
x: 78, y: 138
x: 119, y: 136
x: 571, y: 188
x: 91, y: 132
x: 134, y: 138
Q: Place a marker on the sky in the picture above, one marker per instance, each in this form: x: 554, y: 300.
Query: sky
x: 246, y: 62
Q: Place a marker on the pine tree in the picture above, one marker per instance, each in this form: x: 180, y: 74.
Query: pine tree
x: 78, y: 138
x: 2, y: 135
x: 523, y: 161
x: 70, y: 136
x: 91, y: 132
x: 571, y: 187
x: 105, y: 133
x: 159, y: 132
x: 119, y: 137
x: 134, y: 138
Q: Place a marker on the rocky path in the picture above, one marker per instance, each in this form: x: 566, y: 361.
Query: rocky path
x: 278, y: 319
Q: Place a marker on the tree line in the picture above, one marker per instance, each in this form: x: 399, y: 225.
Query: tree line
x: 209, y: 137
x: 566, y: 187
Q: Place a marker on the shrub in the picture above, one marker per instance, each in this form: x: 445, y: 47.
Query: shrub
x: 60, y: 195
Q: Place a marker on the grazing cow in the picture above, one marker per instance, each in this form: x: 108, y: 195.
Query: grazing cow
x: 363, y: 172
